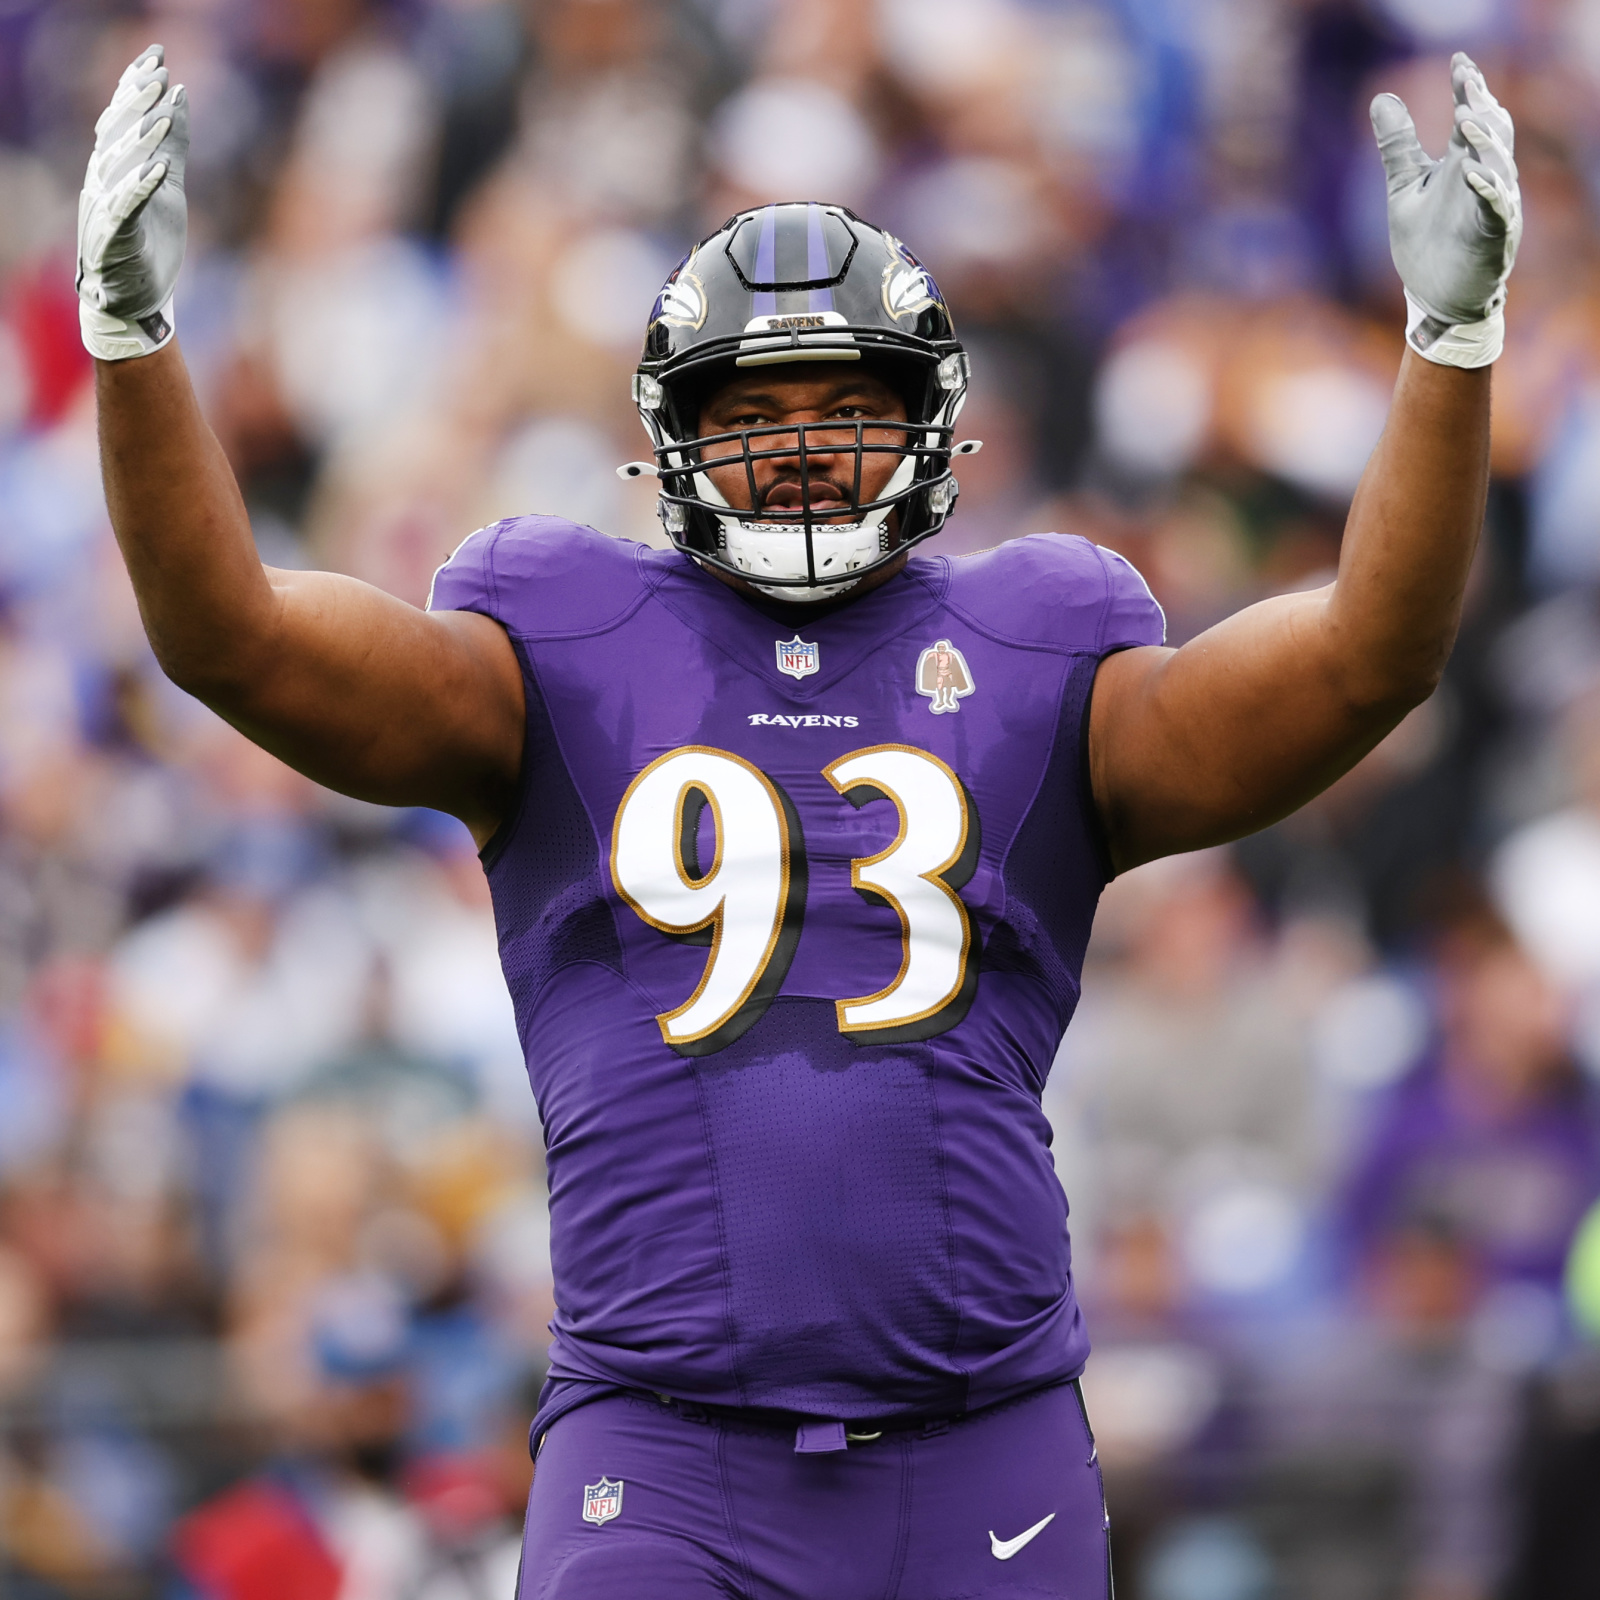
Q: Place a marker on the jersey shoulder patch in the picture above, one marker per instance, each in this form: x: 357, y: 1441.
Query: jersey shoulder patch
x: 542, y: 577
x: 1057, y: 590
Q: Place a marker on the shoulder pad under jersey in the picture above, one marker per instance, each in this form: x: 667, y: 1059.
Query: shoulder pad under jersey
x: 1057, y: 589
x: 540, y: 576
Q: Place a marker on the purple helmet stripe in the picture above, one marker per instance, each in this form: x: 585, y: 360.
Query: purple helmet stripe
x: 766, y: 302
x: 817, y: 265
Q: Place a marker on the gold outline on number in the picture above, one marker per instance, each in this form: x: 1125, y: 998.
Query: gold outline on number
x: 932, y: 876
x: 714, y: 920
x: 678, y: 837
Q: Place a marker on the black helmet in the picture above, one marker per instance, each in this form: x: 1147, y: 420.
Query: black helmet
x: 800, y: 282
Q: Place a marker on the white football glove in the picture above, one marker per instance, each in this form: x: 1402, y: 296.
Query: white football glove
x: 1454, y: 225
x: 132, y: 217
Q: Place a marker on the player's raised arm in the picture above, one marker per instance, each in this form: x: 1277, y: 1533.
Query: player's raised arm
x: 353, y: 687
x: 1241, y: 725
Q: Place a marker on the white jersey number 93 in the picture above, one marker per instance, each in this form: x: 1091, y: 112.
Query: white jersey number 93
x: 748, y: 902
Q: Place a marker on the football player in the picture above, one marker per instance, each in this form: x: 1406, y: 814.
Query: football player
x: 795, y: 833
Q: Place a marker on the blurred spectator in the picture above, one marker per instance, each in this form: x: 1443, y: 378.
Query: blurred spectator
x: 1546, y: 875
x: 1188, y: 1072
x: 1397, y: 1414
x: 1495, y: 1136
x: 1163, y: 1390
x: 473, y: 1506
x: 326, y: 1521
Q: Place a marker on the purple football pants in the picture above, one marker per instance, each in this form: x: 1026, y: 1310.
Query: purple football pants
x: 1005, y: 1502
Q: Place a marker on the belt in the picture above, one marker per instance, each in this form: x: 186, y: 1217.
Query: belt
x: 813, y: 1436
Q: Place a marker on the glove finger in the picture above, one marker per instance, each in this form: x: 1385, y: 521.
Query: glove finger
x: 1474, y: 97
x: 156, y: 101
x: 1490, y: 151
x: 108, y: 236
x: 147, y: 60
x: 1494, y: 195
x: 1506, y: 208
x: 154, y: 129
x: 134, y: 195
x: 134, y: 148
x: 1463, y: 70
x: 139, y: 89
x: 1482, y: 108
x: 164, y: 131
x: 115, y: 121
x: 175, y: 146
x: 1396, y: 134
x: 1492, y: 122
x: 137, y: 74
x: 1477, y: 96
x: 1504, y: 219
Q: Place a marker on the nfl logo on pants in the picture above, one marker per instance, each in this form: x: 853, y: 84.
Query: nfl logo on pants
x: 602, y: 1501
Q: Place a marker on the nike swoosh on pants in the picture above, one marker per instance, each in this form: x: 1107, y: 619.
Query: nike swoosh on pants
x: 1004, y: 1549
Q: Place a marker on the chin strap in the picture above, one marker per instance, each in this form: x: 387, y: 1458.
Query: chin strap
x: 752, y: 546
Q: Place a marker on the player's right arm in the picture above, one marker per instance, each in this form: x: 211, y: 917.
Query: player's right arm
x: 349, y: 685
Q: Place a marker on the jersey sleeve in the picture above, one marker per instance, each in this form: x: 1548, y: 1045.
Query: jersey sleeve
x: 541, y: 577
x: 466, y: 582
x: 1057, y: 590
x: 1131, y: 615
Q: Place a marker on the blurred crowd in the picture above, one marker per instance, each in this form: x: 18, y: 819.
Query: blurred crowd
x: 274, y: 1264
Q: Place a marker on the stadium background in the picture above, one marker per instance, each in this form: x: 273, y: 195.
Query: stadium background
x: 270, y: 1192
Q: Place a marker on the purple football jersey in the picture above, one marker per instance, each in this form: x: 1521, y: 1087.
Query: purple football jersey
x: 793, y: 921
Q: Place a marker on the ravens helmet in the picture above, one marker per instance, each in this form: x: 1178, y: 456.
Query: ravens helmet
x: 800, y: 282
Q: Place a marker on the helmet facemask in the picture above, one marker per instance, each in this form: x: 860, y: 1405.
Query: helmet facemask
x: 806, y: 555
x: 800, y: 283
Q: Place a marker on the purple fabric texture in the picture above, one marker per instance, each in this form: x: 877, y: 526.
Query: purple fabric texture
x: 802, y: 1219
x: 712, y: 1510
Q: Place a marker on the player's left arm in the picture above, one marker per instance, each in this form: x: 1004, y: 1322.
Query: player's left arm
x: 1196, y: 746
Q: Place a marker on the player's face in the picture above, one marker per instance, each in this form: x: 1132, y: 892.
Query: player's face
x: 764, y: 399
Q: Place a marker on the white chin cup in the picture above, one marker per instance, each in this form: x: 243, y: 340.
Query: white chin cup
x: 778, y: 550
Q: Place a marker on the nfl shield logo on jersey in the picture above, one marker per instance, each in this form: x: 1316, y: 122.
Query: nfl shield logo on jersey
x: 797, y: 658
x: 602, y: 1501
